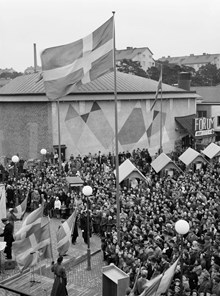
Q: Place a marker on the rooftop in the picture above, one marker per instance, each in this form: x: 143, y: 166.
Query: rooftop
x: 130, y: 52
x: 191, y: 59
x: 126, y: 83
x: 209, y: 94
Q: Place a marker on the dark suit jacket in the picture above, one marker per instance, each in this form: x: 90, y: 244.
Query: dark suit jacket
x: 8, y: 233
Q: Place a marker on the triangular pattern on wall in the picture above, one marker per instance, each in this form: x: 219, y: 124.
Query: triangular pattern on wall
x: 71, y: 113
x: 148, y: 132
x: 95, y: 107
x: 85, y: 117
x: 133, y: 128
x: 155, y: 114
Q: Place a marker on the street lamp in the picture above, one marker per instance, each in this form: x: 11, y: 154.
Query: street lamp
x: 43, y: 152
x: 15, y: 160
x: 87, y: 191
x: 181, y: 227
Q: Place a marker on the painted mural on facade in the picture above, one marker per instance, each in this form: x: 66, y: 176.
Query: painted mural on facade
x: 90, y: 126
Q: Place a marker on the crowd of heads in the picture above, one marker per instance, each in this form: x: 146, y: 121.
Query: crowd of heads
x: 149, y: 209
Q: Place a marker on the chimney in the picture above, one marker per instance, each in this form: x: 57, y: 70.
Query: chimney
x: 35, y: 58
x: 184, y: 80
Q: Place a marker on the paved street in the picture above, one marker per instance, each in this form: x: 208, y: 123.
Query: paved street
x: 81, y: 282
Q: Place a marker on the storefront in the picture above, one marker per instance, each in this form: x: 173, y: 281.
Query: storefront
x: 199, y: 131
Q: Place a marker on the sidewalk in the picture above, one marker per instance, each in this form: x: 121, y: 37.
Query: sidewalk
x: 81, y: 282
x: 76, y: 254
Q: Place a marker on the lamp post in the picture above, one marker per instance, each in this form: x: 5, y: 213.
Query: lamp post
x: 43, y: 152
x: 181, y: 227
x: 15, y: 160
x: 87, y: 191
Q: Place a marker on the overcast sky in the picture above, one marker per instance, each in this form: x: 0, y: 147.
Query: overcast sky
x: 167, y: 27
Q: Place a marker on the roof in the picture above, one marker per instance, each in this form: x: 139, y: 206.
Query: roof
x: 191, y: 156
x: 127, y: 171
x: 163, y: 162
x: 74, y: 181
x: 191, y: 59
x: 4, y: 81
x: 209, y: 94
x: 211, y: 150
x: 31, y: 84
x: 129, y: 53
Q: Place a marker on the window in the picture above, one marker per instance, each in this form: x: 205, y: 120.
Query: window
x: 202, y: 113
x: 218, y: 120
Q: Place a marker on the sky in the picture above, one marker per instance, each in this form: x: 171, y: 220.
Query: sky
x: 166, y: 27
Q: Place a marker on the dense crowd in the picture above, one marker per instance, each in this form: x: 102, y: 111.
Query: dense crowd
x: 149, y: 210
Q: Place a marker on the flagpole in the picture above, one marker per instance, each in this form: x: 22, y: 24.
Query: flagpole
x: 116, y: 137
x: 135, y: 282
x: 161, y: 115
x: 50, y: 238
x: 59, y: 147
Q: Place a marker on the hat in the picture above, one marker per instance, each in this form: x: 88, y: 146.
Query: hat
x: 197, y: 268
x: 4, y: 219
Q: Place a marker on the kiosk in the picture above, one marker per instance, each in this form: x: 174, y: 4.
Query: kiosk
x: 114, y: 281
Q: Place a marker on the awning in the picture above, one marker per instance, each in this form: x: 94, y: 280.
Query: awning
x: 211, y: 150
x: 74, y: 181
x: 128, y: 171
x: 163, y: 162
x: 186, y: 122
x: 191, y: 156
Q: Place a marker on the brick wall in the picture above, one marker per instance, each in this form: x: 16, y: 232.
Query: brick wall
x: 25, y: 128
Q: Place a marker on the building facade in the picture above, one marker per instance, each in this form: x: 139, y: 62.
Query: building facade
x: 209, y: 105
x: 29, y: 121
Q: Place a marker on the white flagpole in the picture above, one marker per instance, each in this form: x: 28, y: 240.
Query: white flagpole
x: 59, y: 146
x: 161, y: 114
x: 50, y: 238
x: 116, y: 138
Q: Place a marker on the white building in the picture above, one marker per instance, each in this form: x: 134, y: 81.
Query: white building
x: 194, y: 61
x: 143, y: 55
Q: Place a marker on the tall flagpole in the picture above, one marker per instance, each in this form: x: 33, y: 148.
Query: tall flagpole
x: 59, y: 146
x: 51, y: 248
x: 116, y: 138
x: 161, y: 114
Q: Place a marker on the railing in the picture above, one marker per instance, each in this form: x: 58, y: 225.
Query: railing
x: 7, y: 291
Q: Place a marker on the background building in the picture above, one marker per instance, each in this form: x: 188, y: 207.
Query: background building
x: 209, y: 106
x: 194, y: 61
x: 143, y: 55
x: 28, y: 120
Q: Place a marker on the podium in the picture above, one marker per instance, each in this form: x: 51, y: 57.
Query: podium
x: 114, y: 281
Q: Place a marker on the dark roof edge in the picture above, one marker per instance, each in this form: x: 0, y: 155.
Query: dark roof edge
x: 102, y: 93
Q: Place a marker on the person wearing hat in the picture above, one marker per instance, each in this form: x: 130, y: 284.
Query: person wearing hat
x: 11, y: 217
x: 60, y: 278
x: 8, y: 237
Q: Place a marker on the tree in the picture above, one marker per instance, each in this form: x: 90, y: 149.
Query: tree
x: 207, y: 75
x: 9, y: 75
x: 133, y: 67
x: 170, y: 72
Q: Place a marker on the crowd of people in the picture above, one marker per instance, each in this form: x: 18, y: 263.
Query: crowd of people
x: 149, y: 210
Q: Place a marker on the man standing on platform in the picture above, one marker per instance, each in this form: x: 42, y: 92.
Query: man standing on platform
x: 8, y: 237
